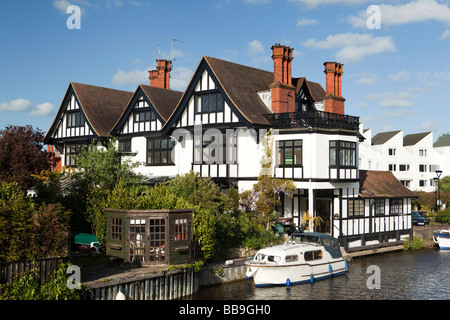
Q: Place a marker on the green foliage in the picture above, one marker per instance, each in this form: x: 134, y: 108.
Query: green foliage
x: 416, y: 245
x: 27, y: 287
x: 443, y: 216
x: 29, y: 230
x: 103, y: 168
x: 265, y: 197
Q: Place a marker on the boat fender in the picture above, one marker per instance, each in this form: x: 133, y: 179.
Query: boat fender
x: 330, y: 268
x: 346, y: 265
x: 288, y: 282
x: 311, y: 278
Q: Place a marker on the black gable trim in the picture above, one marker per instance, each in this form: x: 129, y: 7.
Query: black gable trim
x: 62, y: 109
x: 139, y: 92
x: 190, y: 91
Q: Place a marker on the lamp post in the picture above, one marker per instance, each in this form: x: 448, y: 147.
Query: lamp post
x: 439, y: 173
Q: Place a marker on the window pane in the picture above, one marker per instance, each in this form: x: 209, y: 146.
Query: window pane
x: 298, y: 155
x: 219, y: 102
x: 205, y: 103
x: 288, y: 156
x: 213, y: 102
x: 332, y: 157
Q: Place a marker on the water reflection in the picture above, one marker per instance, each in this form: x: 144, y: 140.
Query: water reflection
x: 410, y: 275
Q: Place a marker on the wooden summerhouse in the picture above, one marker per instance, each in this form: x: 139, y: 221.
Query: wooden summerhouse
x: 150, y: 236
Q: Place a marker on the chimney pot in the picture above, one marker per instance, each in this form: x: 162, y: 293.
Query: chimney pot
x: 160, y: 77
x: 334, y: 102
x: 283, y: 92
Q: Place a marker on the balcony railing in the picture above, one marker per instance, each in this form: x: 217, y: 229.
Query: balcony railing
x: 312, y: 119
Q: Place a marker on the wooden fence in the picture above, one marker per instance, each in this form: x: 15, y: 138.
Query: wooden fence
x: 43, y: 266
x: 164, y: 286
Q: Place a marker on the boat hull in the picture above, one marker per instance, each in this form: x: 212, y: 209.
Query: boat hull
x: 442, y: 240
x: 282, y: 275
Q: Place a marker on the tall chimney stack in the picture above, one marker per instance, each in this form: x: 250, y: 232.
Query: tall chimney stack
x: 334, y: 102
x: 283, y: 92
x: 160, y: 77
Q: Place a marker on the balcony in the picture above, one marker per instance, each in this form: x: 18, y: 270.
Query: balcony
x: 313, y: 119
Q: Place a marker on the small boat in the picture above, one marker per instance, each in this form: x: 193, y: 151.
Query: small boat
x: 307, y: 257
x: 442, y: 239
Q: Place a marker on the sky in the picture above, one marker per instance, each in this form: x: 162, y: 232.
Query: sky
x: 395, y: 53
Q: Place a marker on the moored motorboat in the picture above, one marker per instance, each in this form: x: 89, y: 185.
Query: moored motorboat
x: 307, y: 257
x: 442, y: 239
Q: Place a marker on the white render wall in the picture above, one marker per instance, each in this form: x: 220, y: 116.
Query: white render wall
x: 376, y: 157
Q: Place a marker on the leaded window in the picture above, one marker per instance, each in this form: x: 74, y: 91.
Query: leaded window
x: 355, y: 207
x: 342, y: 154
x: 159, y: 151
x: 290, y: 153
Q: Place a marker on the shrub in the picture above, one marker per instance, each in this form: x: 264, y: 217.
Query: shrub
x: 443, y: 216
x: 27, y: 287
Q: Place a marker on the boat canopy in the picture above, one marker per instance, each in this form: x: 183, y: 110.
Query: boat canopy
x: 330, y: 243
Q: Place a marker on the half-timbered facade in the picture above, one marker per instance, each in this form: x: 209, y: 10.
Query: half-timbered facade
x: 219, y: 128
x: 87, y: 113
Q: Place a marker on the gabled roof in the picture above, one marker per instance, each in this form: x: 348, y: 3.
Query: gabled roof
x: 163, y: 101
x: 443, y: 141
x: 382, y: 184
x: 315, y: 89
x: 241, y: 84
x: 101, y: 107
x: 383, y: 137
x: 413, y: 139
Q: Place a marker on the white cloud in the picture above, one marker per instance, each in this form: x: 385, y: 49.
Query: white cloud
x: 61, y: 5
x: 402, y: 76
x: 256, y: 1
x: 353, y: 47
x: 180, y: 77
x: 412, y: 12
x: 16, y: 105
x: 303, y: 22
x: 397, y: 100
x: 43, y: 109
x: 365, y: 78
x: 316, y: 3
x: 445, y: 35
x: 428, y: 126
x: 255, y: 47
x: 136, y: 76
x: 25, y: 105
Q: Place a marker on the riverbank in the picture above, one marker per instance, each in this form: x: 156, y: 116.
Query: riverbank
x: 154, y: 282
x: 425, y: 233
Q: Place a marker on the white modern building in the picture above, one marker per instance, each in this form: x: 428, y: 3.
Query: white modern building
x: 219, y: 127
x: 413, y: 158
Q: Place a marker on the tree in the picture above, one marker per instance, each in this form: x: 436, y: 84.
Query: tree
x: 29, y: 230
x: 22, y: 154
x: 104, y: 168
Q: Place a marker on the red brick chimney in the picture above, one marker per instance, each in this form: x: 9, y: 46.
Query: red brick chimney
x: 160, y: 77
x: 334, y: 102
x: 283, y: 92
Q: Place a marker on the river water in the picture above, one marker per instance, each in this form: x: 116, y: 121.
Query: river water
x: 408, y: 275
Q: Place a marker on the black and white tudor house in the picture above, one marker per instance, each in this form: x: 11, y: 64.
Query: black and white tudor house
x: 218, y: 127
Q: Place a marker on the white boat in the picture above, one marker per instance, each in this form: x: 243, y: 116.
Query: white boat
x: 442, y: 239
x: 307, y: 257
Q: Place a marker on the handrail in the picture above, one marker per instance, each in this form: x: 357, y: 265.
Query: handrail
x: 313, y: 119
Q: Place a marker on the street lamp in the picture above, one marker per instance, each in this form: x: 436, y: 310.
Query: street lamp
x: 439, y: 173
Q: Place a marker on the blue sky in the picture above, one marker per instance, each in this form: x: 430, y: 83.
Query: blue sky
x: 396, y: 77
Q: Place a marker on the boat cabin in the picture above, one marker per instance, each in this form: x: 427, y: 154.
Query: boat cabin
x: 150, y: 236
